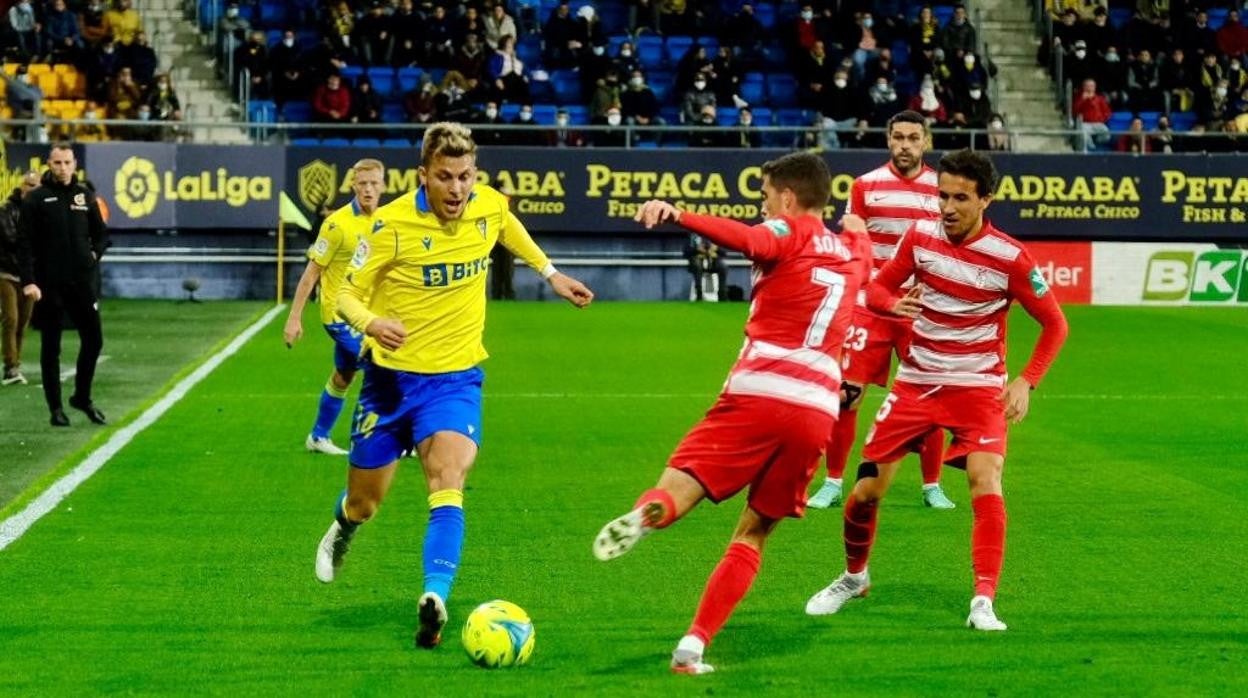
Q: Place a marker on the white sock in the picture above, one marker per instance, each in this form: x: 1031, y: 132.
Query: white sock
x: 834, y: 480
x: 690, y: 643
x: 857, y: 576
x: 931, y: 486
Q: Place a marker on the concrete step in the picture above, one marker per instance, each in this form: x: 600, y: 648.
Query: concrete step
x: 1041, y: 144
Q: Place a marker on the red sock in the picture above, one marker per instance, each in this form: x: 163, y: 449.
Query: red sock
x: 843, y: 434
x: 664, y: 500
x: 932, y: 456
x: 987, y: 542
x: 859, y: 533
x: 727, y: 585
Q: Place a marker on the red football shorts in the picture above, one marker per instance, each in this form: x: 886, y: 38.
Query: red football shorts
x: 771, y: 446
x: 870, y: 344
x: 974, y: 415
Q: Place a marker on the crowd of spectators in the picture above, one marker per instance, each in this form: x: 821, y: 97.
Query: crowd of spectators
x: 106, y: 43
x: 1161, y: 71
x: 851, y: 67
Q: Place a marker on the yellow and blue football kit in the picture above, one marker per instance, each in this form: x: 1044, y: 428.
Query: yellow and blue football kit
x: 332, y: 251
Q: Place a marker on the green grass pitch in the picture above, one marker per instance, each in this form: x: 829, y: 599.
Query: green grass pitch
x: 185, y: 565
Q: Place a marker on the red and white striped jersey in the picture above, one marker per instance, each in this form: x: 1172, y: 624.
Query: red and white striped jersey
x: 890, y: 204
x: 959, y: 335
x: 805, y: 280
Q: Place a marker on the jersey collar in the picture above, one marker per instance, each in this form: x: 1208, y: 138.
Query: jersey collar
x: 355, y: 207
x: 422, y: 199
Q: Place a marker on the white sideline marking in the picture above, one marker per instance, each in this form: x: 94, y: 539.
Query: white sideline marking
x: 13, y: 527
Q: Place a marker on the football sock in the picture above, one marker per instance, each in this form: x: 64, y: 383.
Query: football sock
x: 444, y: 539
x: 327, y: 413
x: 843, y: 433
x: 859, y: 533
x: 726, y: 587
x: 662, y: 498
x: 340, y: 513
x: 932, y: 456
x: 987, y: 542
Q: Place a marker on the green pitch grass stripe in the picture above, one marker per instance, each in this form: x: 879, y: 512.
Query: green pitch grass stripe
x: 15, y: 526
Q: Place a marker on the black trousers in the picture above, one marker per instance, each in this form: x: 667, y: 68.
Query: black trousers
x: 77, y: 302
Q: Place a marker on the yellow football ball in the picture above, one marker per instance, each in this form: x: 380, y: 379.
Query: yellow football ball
x: 498, y: 634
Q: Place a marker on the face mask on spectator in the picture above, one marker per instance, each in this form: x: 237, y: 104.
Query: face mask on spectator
x: 232, y: 12
x: 996, y: 123
x: 708, y: 119
x: 1111, y: 57
x: 613, y: 119
x: 746, y: 120
x: 1220, y: 92
x: 976, y: 94
x: 162, y: 85
x: 867, y: 22
x: 561, y: 121
x: 526, y: 115
x: 491, y: 113
x: 90, y: 115
x: 808, y: 15
x: 969, y: 60
x: 699, y: 85
x: 840, y: 83
x: 1080, y: 53
x: 109, y: 50
x: 626, y: 52
x: 1234, y: 65
x: 636, y: 83
x: 145, y: 115
x: 599, y: 50
x: 288, y: 43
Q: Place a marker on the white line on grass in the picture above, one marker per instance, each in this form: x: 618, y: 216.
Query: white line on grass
x: 13, y: 527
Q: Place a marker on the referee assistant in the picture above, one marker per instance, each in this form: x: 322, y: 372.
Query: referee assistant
x: 61, y: 239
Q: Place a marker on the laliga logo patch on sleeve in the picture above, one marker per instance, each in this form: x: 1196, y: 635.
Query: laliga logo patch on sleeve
x: 778, y: 227
x: 1038, y: 284
x: 321, y: 246
x: 361, y: 255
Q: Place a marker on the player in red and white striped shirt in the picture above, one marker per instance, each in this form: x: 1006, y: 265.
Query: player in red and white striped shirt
x: 890, y: 198
x: 952, y: 375
x: 769, y: 426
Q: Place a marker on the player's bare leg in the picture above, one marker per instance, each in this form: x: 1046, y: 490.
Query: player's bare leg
x: 366, y: 488
x: 675, y: 494
x: 983, y: 473
x: 861, y: 508
x: 446, y: 457
x: 725, y: 588
x: 332, y: 400
x: 844, y: 433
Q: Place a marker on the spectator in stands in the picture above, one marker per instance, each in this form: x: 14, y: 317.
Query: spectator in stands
x: 695, y: 100
x: 340, y: 27
x: 589, y: 32
x: 562, y: 136
x: 975, y: 107
x: 925, y: 32
x: 452, y: 99
x: 331, y: 102
x: 124, y: 96
x: 506, y: 71
x: 1200, y: 39
x: 613, y: 136
x: 705, y: 258
x: 93, y: 131
x: 163, y: 100
x: 695, y: 62
x: 102, y: 65
x: 498, y: 25
x: 1135, y: 140
x: 365, y: 104
x: 439, y: 39
x: 124, y: 22
x: 968, y: 71
x: 408, y: 27
x: 1093, y: 110
x: 638, y: 104
x: 606, y: 95
x: 483, y: 134
x: 24, y: 25
x: 25, y: 99
x: 373, y: 35
x: 960, y: 34
x: 592, y: 66
x: 1232, y: 38
x: 705, y: 135
x: 92, y: 26
x: 560, y: 38
x: 1111, y: 77
x: 421, y: 103
x: 1162, y: 140
x: 725, y: 78
x: 1100, y: 34
x: 998, y: 135
x: 842, y: 102
x: 881, y: 67
x: 1214, y: 107
x: 676, y: 18
x: 61, y: 35
x: 1078, y: 65
x: 804, y: 33
x: 1211, y: 71
x: 1144, y: 84
x: 1067, y: 32
x: 470, y: 24
x: 745, y: 33
x: 746, y: 136
x: 884, y: 101
x: 252, y: 57
x: 527, y: 137
x: 471, y: 58
x: 625, y: 60
x: 1140, y: 33
x: 928, y: 104
x: 865, y: 44
x: 285, y: 70
x: 1235, y: 76
x: 141, y: 58
x: 814, y: 73
x: 643, y: 14
x: 1178, y: 82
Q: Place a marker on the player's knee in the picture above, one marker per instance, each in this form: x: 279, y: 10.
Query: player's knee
x: 984, y: 480
x: 342, y: 379
x: 361, y: 508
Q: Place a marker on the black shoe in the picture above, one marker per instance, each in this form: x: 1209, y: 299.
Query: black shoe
x: 58, y: 418
x: 88, y: 408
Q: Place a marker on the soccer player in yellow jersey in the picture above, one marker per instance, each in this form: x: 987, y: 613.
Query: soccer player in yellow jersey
x: 328, y: 259
x: 416, y: 288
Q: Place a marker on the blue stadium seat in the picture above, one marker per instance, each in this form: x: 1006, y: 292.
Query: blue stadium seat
x: 392, y: 113
x: 1217, y: 17
x: 541, y: 91
x: 272, y: 38
x: 787, y: 11
x: 1182, y: 120
x: 794, y: 117
x: 762, y: 116
x: 508, y: 111
x: 529, y: 50
x: 305, y: 141
x: 677, y: 47
x: 650, y: 51
x: 408, y: 79
x: 1150, y: 119
x: 577, y: 114
x: 366, y: 143
x: 336, y: 142
x: 646, y: 145
x: 1119, y: 16
x: 614, y: 41
x: 765, y: 13
x: 901, y: 55
x: 753, y: 88
x: 261, y: 111
x: 351, y: 73
x: 774, y: 57
x: 660, y: 82
x: 781, y: 90
x: 943, y: 14
x: 396, y: 143
x: 727, y: 116
x: 1120, y: 121
x: 273, y: 14
x: 711, y: 44
x: 436, y: 74
x: 671, y: 115
x: 614, y: 15
x: 544, y: 113
x: 567, y: 86
x: 297, y: 112
x: 383, y: 80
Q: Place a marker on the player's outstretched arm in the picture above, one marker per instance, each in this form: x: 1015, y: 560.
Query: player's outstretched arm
x: 371, y: 259
x: 516, y: 238
x: 759, y: 243
x: 570, y: 289
x: 1029, y: 287
x: 294, y: 321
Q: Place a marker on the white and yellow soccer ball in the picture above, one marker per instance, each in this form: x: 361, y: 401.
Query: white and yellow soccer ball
x: 498, y: 634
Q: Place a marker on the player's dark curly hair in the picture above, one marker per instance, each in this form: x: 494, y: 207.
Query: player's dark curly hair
x: 908, y: 116
x: 805, y: 174
x: 972, y: 165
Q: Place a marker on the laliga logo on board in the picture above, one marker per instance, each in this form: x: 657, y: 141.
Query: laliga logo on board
x: 137, y: 187
x: 318, y: 180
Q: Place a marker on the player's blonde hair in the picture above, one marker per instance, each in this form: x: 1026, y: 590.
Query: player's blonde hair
x: 447, y: 139
x: 367, y: 164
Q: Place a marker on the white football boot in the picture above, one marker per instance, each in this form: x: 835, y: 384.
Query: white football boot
x: 323, y: 445
x: 331, y: 551
x: 831, y: 598
x: 982, y: 616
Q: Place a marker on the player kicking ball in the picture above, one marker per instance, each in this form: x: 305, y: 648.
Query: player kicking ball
x: 952, y: 376
x: 328, y: 259
x: 768, y: 428
x: 423, y: 266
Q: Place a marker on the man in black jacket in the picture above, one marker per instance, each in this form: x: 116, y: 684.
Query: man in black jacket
x: 61, y: 237
x: 14, y: 306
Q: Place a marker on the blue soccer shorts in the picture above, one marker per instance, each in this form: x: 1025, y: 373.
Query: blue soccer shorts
x: 346, y: 346
x: 397, y: 410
